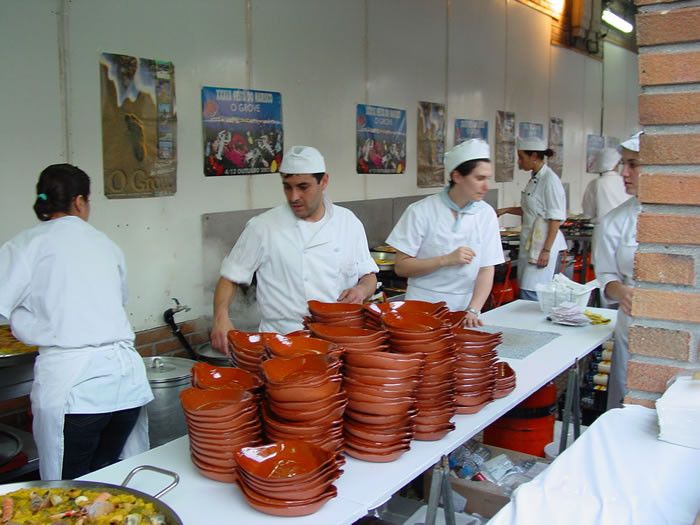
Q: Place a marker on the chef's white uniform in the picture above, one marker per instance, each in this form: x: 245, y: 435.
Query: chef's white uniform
x: 613, y: 257
x: 296, y: 261
x: 603, y: 194
x: 544, y: 197
x: 429, y: 228
x: 64, y: 289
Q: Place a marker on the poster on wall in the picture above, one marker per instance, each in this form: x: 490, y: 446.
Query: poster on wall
x: 139, y: 126
x: 241, y: 131
x: 594, y: 144
x: 381, y: 139
x: 556, y: 144
x: 505, y: 146
x: 431, y: 144
x: 530, y: 129
x: 466, y: 129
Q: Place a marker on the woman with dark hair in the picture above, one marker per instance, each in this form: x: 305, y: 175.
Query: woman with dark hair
x: 448, y: 244
x: 543, y: 209
x: 63, y: 290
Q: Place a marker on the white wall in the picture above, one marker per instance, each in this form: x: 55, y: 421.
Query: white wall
x: 324, y: 56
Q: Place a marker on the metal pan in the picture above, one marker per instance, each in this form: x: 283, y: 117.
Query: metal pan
x: 170, y: 517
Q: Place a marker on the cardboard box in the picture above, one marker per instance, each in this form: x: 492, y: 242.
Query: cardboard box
x: 483, y: 497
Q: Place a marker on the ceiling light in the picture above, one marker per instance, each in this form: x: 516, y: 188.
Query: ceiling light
x: 617, y: 22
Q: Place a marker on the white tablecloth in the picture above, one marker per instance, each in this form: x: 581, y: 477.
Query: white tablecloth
x: 616, y: 473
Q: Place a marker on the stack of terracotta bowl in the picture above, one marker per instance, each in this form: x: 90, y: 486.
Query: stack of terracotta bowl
x: 247, y: 350
x: 336, y: 314
x: 219, y: 423
x: 288, y: 478
x: 475, y: 368
x: 209, y: 377
x: 287, y: 346
x: 304, y: 400
x: 352, y: 339
x: 505, y: 380
x: 374, y: 311
x: 381, y: 392
x: 427, y: 334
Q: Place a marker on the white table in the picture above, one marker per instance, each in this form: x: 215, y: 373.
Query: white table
x: 616, y: 472
x: 365, y: 486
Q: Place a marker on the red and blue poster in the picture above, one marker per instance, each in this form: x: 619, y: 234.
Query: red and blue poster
x: 242, y: 131
x: 466, y: 129
x: 381, y: 139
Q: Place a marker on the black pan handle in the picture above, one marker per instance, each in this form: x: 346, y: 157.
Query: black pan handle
x: 176, y: 478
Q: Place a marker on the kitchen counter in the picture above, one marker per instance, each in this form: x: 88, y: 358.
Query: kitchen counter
x: 365, y: 486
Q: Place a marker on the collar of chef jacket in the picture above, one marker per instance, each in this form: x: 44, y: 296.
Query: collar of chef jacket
x: 471, y: 208
x: 321, y: 237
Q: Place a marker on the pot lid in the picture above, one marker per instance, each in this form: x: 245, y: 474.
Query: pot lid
x: 207, y: 351
x: 162, y: 369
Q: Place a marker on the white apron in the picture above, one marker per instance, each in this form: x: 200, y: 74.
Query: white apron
x: 421, y: 288
x: 529, y: 275
x: 56, y: 372
x: 617, y: 381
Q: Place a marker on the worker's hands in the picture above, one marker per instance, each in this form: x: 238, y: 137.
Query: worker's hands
x: 472, y: 321
x: 356, y: 294
x: 219, y: 334
x: 462, y: 255
x: 543, y: 259
x: 626, y: 293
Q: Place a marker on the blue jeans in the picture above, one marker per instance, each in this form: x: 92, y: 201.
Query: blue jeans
x: 93, y: 441
x: 528, y: 295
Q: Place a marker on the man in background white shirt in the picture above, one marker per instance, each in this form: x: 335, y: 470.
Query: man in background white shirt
x: 607, y: 191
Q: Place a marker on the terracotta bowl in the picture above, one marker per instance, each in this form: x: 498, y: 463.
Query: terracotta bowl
x: 403, y: 307
x: 213, y: 424
x: 311, y: 405
x: 386, y: 390
x: 467, y: 334
x: 362, y: 378
x: 284, y: 459
x: 206, y: 376
x: 341, y: 334
x: 330, y: 468
x: 334, y: 309
x: 364, y: 348
x: 471, y: 409
x: 422, y: 346
x: 306, y: 490
x: 288, y: 509
x: 214, y: 402
x: 303, y: 393
x: 383, y: 450
x: 373, y: 419
x: 379, y: 430
x: 332, y: 412
x: 385, y: 408
x: 297, y: 369
x: 504, y: 371
x: 387, y: 439
x: 411, y: 322
x: 385, y: 360
x: 394, y: 376
x: 250, y: 341
x: 473, y: 400
x: 350, y: 322
x: 286, y: 346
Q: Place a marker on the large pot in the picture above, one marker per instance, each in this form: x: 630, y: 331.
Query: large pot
x: 171, y: 518
x: 207, y: 354
x: 167, y: 377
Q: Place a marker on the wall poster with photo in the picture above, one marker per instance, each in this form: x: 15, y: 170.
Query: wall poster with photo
x: 505, y: 146
x: 466, y: 129
x: 381, y: 139
x: 556, y: 144
x: 431, y: 144
x: 139, y: 126
x: 242, y: 131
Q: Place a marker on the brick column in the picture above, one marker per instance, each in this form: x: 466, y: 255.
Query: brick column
x: 666, y: 307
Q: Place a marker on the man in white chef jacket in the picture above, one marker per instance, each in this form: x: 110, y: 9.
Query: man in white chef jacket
x: 307, y: 248
x: 607, y: 191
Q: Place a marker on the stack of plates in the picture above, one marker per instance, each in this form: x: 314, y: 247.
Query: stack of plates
x: 288, y: 478
x: 475, y: 368
x: 287, y: 346
x: 247, y: 350
x: 352, y: 339
x: 336, y: 314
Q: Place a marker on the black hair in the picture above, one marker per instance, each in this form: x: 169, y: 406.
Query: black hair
x: 549, y: 152
x: 466, y: 168
x: 58, y: 185
x: 317, y: 176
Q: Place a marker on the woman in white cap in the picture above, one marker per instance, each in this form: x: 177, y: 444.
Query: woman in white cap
x: 543, y: 209
x: 307, y: 248
x: 607, y: 191
x: 63, y: 288
x: 613, y: 256
x: 448, y: 244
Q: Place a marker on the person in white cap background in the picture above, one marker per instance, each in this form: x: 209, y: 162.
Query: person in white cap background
x: 614, y: 247
x: 607, y: 191
x: 542, y: 207
x: 448, y: 243
x: 307, y: 248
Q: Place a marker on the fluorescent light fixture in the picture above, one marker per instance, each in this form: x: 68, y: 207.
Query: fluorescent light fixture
x: 617, y: 22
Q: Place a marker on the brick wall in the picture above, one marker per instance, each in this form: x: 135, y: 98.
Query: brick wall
x: 666, y: 306
x: 161, y: 341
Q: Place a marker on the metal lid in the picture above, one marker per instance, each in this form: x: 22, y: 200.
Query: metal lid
x: 163, y: 369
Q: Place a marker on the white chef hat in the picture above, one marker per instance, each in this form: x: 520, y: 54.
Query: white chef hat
x: 302, y: 159
x: 468, y: 150
x: 605, y: 160
x: 631, y: 143
x: 531, y: 144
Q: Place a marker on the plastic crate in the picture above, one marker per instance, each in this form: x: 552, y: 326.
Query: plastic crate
x: 551, y: 298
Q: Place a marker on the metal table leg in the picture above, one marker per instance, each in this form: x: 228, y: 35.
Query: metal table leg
x: 440, y: 487
x: 572, y: 404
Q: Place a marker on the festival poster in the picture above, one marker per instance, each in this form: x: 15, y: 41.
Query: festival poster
x: 594, y: 144
x: 556, y: 144
x: 139, y: 126
x: 466, y: 129
x: 505, y: 146
x: 242, y: 131
x: 528, y: 130
x: 381, y: 139
x: 431, y: 144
